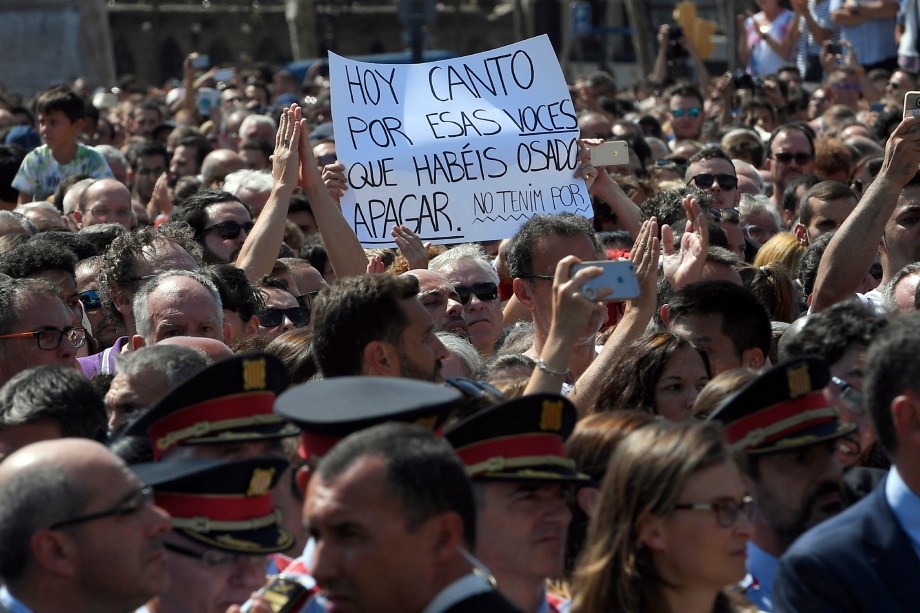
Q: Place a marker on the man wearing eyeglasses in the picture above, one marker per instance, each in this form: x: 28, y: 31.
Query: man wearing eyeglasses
x: 686, y: 112
x: 841, y: 335
x: 442, y: 302
x: 36, y: 327
x: 785, y: 432
x: 791, y: 153
x: 221, y: 223
x: 224, y: 526
x: 97, y: 547
x: 712, y: 170
x: 866, y: 558
x: 105, y: 201
x: 476, y: 282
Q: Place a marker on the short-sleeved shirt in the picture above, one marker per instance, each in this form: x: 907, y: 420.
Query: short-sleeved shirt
x: 39, y: 174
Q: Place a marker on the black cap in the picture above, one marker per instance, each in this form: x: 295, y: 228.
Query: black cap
x: 782, y: 409
x: 519, y: 440
x: 330, y: 410
x: 223, y: 505
x: 231, y: 401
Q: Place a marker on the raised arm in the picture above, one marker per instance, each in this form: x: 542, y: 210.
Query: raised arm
x: 342, y: 245
x: 571, y: 312
x: 259, y: 252
x: 852, y: 250
x: 644, y: 256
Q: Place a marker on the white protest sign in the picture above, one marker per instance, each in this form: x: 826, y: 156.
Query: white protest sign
x: 459, y: 150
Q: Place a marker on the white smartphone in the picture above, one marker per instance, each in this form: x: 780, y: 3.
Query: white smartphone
x: 224, y: 74
x: 202, y: 60
x: 912, y: 104
x: 619, y: 277
x: 610, y: 153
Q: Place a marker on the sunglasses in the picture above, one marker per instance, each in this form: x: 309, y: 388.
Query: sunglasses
x: 800, y: 158
x: 705, y: 181
x: 693, y: 111
x: 90, y: 299
x: 271, y: 317
x: 228, y: 229
x: 484, y: 291
x: 730, y: 215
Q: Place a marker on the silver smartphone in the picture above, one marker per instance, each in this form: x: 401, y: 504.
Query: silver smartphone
x: 911, y: 104
x: 619, y: 277
x: 610, y: 153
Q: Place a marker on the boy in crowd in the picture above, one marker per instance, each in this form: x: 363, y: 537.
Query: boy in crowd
x: 61, y: 115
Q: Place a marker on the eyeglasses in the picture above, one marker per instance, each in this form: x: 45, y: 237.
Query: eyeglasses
x: 761, y: 234
x: 693, y: 111
x: 325, y: 160
x: 893, y: 85
x: 90, y: 299
x: 727, y: 510
x: 800, y: 158
x: 142, y: 277
x: 141, y: 498
x: 214, y: 558
x: 106, y: 212
x: 475, y: 389
x: 730, y: 215
x: 705, y: 181
x: 50, y: 339
x: 850, y: 87
x: 306, y: 299
x: 299, y: 316
x: 850, y: 396
x: 228, y: 229
x: 486, y: 292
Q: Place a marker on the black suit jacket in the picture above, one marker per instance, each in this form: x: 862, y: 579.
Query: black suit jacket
x: 860, y: 560
x: 484, y: 602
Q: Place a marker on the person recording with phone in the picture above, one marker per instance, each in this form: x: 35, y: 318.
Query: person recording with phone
x: 678, y: 58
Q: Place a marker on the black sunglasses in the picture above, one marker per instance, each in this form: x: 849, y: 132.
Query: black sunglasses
x: 228, y: 229
x: 800, y: 158
x: 90, y: 300
x: 705, y: 181
x: 731, y: 215
x: 484, y: 291
x: 271, y: 317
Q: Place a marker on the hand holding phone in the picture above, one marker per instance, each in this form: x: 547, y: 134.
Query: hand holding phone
x: 619, y: 277
x: 610, y: 153
x: 912, y: 104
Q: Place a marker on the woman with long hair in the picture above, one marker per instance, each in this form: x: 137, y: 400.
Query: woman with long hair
x: 662, y: 373
x: 674, y: 528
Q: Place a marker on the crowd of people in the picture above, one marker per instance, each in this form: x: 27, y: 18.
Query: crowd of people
x: 215, y: 399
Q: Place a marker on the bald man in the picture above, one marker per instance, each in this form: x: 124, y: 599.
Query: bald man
x: 101, y: 512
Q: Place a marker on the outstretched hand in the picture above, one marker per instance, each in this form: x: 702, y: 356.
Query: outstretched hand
x: 285, y: 159
x: 685, y: 266
x: 644, y: 256
x: 411, y: 246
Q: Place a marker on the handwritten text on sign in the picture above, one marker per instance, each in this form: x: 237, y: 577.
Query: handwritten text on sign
x: 459, y: 150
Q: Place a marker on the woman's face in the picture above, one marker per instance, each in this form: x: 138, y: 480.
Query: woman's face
x: 680, y: 384
x: 693, y: 549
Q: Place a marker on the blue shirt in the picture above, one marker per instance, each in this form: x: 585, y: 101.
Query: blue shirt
x: 10, y: 602
x: 762, y: 567
x: 905, y: 505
